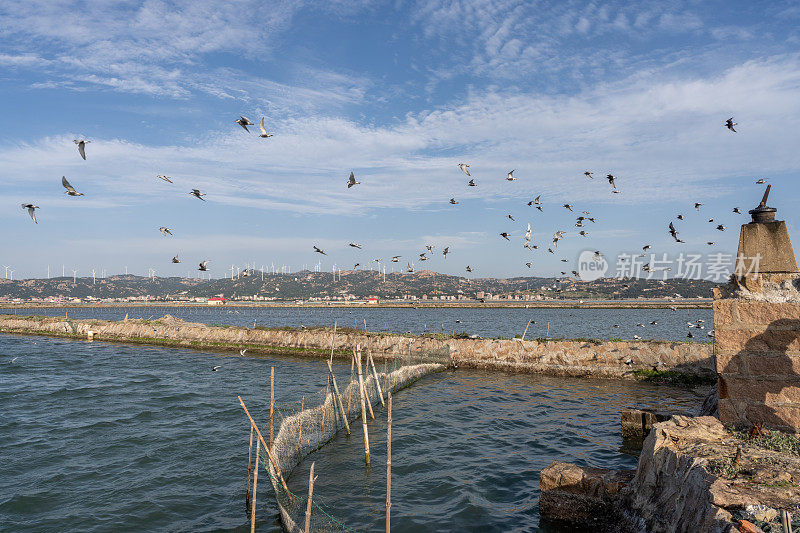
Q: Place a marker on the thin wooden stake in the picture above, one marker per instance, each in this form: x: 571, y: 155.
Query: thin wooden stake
x: 311, y: 479
x: 389, y: 463
x: 365, y: 326
x: 363, y: 408
x: 350, y: 389
x: 364, y: 386
x: 339, y: 398
x: 271, y: 402
x: 786, y: 521
x: 333, y: 339
x: 269, y: 453
x: 255, y: 484
x: 375, y: 373
x: 325, y: 401
x: 300, y: 436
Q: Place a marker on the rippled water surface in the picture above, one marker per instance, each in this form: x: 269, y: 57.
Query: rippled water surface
x: 486, y: 322
x: 103, y: 437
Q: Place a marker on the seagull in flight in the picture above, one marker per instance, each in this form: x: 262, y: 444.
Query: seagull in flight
x: 175, y: 259
x: 423, y: 257
x: 197, y: 194
x: 264, y: 133
x: 528, y: 234
x: 409, y: 268
x: 528, y: 265
x: 674, y: 232
x: 453, y: 201
x: 31, y: 210
x: 567, y: 206
x: 510, y: 218
x: 761, y: 181
x: 163, y: 177
x: 396, y: 258
x: 355, y: 267
x: 81, y: 147
x: 471, y: 183
x: 505, y: 236
x: 464, y: 168
x: 354, y: 245
x: 721, y: 227
x: 352, y: 180
x: 244, y: 122
x: 589, y: 175
x: 697, y: 206
x: 646, y: 247
x: 511, y: 177
x: 319, y: 251
x: 730, y: 124
x: 429, y: 247
x: 736, y: 210
x: 679, y: 217
x: 446, y: 251
x: 164, y: 231
x: 469, y: 268
x: 611, y: 179
x: 203, y: 266
x: 70, y: 189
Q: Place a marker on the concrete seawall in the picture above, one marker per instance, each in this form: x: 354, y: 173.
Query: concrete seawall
x: 579, y: 358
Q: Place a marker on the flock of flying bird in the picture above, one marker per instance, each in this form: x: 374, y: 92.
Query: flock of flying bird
x: 244, y: 122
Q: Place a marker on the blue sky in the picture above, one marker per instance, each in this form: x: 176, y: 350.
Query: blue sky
x: 400, y: 93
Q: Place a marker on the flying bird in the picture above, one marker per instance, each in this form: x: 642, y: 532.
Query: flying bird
x: 356, y: 266
x: 583, y: 233
x: 396, y: 258
x: 423, y: 257
x: 611, y: 179
x: 646, y: 247
x: 710, y: 243
x: 429, y: 247
x: 165, y: 178
x: 354, y: 245
x: 164, y: 231
x: 175, y: 259
x: 352, y: 180
x: 528, y: 265
x: 81, y: 147
x: 203, y: 266
x: 469, y: 268
x: 216, y: 368
x: 679, y: 217
x: 319, y: 251
x: 409, y: 268
x: 464, y: 168
x: 528, y: 234
x: 244, y: 122
x: 697, y: 206
x: 730, y: 124
x: 567, y: 206
x: 505, y: 236
x: 674, y: 232
x: 761, y: 181
x: 736, y: 210
x: 264, y: 133
x: 197, y: 194
x: 31, y: 210
x: 511, y: 177
x: 510, y: 218
x: 453, y: 201
x: 589, y: 175
x: 721, y: 227
x: 446, y: 251
x: 471, y: 183
x: 711, y: 220
x: 70, y: 189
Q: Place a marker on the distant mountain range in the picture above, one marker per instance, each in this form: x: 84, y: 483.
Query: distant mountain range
x: 362, y: 283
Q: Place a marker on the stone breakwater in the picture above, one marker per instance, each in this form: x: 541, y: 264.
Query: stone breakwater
x: 578, y: 358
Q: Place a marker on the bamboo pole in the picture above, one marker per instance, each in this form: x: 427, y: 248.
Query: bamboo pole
x: 375, y: 373
x: 255, y: 484
x: 269, y: 453
x: 365, y: 326
x: 249, y: 470
x: 786, y: 521
x: 339, y: 398
x: 324, y: 403
x: 333, y: 339
x: 363, y: 409
x: 526, y: 329
x: 389, y: 463
x: 311, y: 479
x: 300, y: 433
x: 362, y: 385
x: 350, y: 389
x: 271, y: 402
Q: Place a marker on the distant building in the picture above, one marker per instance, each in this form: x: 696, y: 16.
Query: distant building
x: 216, y: 300
x: 374, y: 300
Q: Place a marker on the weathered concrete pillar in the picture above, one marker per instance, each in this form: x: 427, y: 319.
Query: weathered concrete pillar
x: 757, y: 329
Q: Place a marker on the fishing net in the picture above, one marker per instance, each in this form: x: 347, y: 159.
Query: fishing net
x: 308, y: 426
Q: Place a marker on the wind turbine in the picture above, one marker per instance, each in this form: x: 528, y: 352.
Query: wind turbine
x: 7, y: 267
x: 94, y: 281
x: 12, y: 275
x: 74, y: 272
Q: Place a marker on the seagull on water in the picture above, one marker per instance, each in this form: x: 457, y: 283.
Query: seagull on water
x: 163, y: 177
x: 319, y: 250
x: 244, y: 122
x: 203, y: 266
x: 511, y: 177
x: 464, y: 168
x: 70, y: 189
x: 352, y: 180
x: 31, y: 210
x: 197, y: 194
x: 81, y: 147
x: 264, y: 133
x: 730, y: 124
